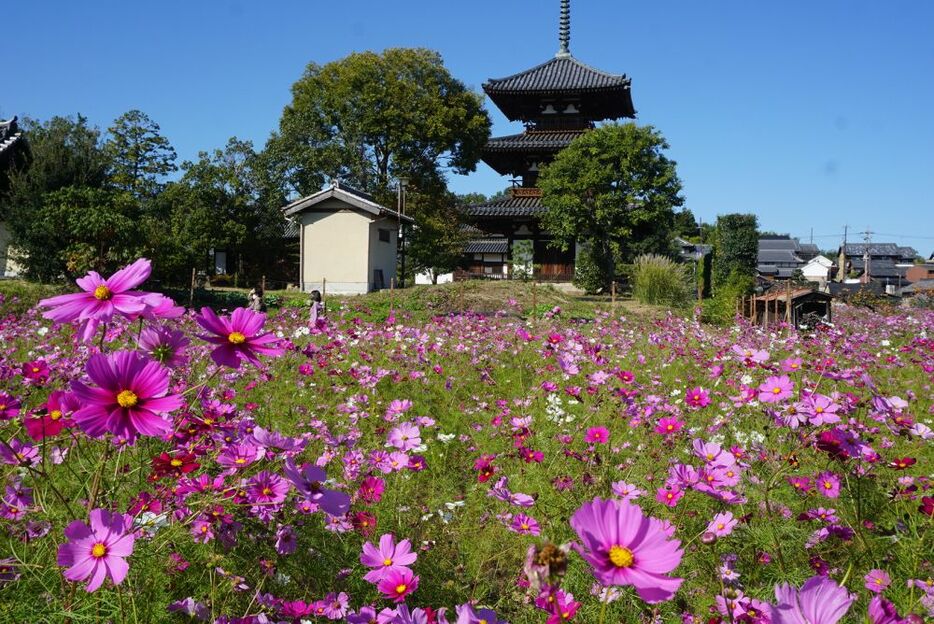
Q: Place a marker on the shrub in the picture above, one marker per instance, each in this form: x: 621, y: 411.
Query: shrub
x: 594, y: 268
x: 658, y: 280
x: 721, y: 308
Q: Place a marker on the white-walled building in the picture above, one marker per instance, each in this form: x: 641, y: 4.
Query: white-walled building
x: 347, y: 239
x: 818, y: 270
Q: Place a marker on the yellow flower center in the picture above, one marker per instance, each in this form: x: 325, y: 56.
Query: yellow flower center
x: 55, y: 414
x: 236, y: 338
x: 102, y: 293
x: 266, y: 491
x: 828, y: 485
x: 127, y: 398
x: 98, y: 550
x: 819, y: 410
x: 525, y: 526
x: 240, y: 461
x: 670, y: 427
x: 387, y: 562
x: 35, y: 369
x: 401, y: 587
x: 776, y: 390
x: 621, y: 557
x: 176, y: 462
x: 721, y: 526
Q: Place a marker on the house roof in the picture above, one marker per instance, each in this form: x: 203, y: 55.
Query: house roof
x: 880, y: 250
x: 508, y: 207
x: 782, y: 294
x: 823, y: 261
x: 351, y: 196
x: 775, y: 256
x: 492, y: 245
x: 925, y: 285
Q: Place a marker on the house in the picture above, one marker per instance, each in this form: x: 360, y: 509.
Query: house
x: 921, y: 287
x: 779, y: 257
x: 13, y: 152
x: 691, y: 252
x: 817, y: 270
x: 885, y: 263
x: 920, y: 272
x: 348, y: 243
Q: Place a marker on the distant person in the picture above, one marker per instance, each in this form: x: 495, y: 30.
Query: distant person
x: 316, y: 305
x: 255, y: 300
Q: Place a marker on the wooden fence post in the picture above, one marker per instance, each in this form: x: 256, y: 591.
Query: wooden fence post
x: 752, y: 309
x: 263, y: 285
x: 788, y: 305
x: 191, y: 293
x: 534, y: 300
x: 613, y: 297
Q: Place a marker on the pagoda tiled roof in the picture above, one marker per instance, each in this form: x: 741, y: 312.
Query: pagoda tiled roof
x: 559, y: 74
x: 533, y: 140
x: 492, y: 245
x: 508, y: 207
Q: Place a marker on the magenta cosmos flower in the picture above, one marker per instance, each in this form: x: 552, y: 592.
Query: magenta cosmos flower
x: 131, y: 396
x: 99, y: 550
x: 776, y: 389
x: 625, y: 547
x: 101, y: 298
x: 388, y: 557
x: 238, y: 337
x: 877, y: 581
x: 397, y: 584
x: 597, y: 435
x: 819, y: 601
x: 165, y: 345
x: 697, y: 397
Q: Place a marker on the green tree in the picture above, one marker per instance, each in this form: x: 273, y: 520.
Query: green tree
x: 65, y: 153
x: 614, y: 189
x: 435, y: 244
x: 369, y: 118
x: 140, y: 157
x: 736, y: 247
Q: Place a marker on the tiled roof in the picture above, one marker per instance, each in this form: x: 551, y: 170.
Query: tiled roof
x: 879, y: 249
x: 495, y: 245
x: 925, y: 285
x: 778, y: 256
x: 533, y: 140
x: 9, y: 134
x: 509, y: 207
x: 558, y: 74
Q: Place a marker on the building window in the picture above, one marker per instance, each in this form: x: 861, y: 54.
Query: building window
x: 384, y: 235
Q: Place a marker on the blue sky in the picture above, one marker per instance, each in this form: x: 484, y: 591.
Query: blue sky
x: 811, y: 114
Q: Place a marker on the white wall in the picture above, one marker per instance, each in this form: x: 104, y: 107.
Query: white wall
x: 8, y: 266
x: 335, y: 246
x: 383, y: 255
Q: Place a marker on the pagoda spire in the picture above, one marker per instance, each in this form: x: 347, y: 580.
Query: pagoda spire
x: 564, y: 30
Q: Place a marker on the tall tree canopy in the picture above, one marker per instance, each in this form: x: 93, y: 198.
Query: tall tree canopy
x: 139, y: 156
x: 614, y: 189
x: 370, y: 117
x: 65, y: 154
x: 736, y: 247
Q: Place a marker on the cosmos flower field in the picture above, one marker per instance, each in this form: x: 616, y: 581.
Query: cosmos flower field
x: 167, y: 465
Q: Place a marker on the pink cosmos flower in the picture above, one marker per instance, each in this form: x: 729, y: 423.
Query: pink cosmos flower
x: 238, y: 337
x: 101, y: 298
x: 828, y: 484
x: 131, y: 396
x: 819, y: 601
x: 397, y: 584
x: 309, y: 481
x: 625, y: 547
x: 597, y: 435
x: 36, y: 371
x: 877, y: 581
x: 697, y: 398
x: 668, y: 425
x: 525, y: 525
x: 57, y: 415
x: 776, y: 389
x: 98, y: 550
x: 722, y: 524
x: 9, y: 406
x: 881, y: 611
x: 266, y: 488
x: 237, y: 456
x: 404, y: 437
x: 820, y: 409
x: 791, y: 365
x: 669, y: 496
x: 753, y: 355
x: 388, y: 557
x: 626, y: 491
x: 164, y: 345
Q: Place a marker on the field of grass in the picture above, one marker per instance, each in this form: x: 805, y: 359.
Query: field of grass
x: 419, y: 405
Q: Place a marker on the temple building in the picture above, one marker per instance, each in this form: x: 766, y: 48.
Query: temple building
x: 556, y: 101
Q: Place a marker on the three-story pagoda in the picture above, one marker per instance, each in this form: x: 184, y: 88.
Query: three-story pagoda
x: 556, y: 101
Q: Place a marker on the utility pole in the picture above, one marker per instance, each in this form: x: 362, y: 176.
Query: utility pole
x: 867, y: 238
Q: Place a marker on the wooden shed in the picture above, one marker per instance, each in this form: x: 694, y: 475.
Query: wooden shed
x: 790, y: 306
